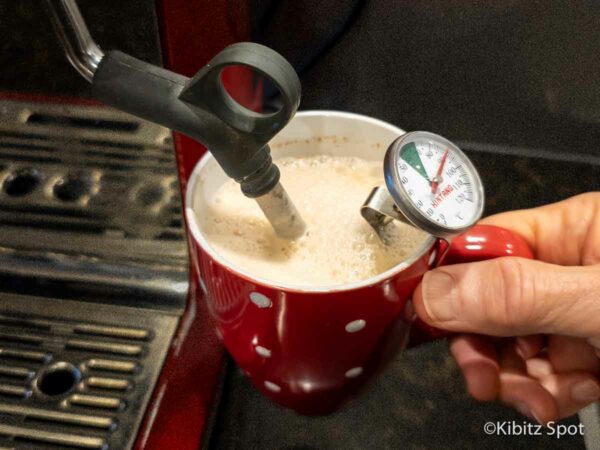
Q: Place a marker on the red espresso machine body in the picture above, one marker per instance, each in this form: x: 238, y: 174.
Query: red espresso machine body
x: 191, y: 33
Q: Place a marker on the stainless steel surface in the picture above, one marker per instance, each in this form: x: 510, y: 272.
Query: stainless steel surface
x: 281, y: 213
x: 93, y: 272
x: 89, y: 204
x: 81, y: 50
x: 108, y: 383
x: 112, y: 365
x: 97, y: 399
x: 70, y: 440
x: 379, y: 210
x: 93, y: 279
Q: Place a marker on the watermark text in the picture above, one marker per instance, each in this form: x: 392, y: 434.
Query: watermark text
x: 525, y: 428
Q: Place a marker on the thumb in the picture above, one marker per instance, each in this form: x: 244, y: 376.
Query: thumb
x: 510, y: 297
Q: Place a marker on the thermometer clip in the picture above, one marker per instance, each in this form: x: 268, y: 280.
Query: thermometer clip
x: 379, y: 210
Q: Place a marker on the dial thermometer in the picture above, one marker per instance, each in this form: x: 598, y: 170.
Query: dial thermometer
x: 431, y: 184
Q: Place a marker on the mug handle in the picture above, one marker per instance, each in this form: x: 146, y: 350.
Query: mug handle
x: 480, y: 243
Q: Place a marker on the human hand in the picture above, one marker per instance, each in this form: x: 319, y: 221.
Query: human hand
x: 534, y: 325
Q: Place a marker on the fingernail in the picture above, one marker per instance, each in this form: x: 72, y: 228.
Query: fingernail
x: 523, y: 409
x: 537, y: 418
x: 438, y: 291
x: 522, y: 348
x: 594, y: 342
x: 530, y: 414
x: 585, y: 391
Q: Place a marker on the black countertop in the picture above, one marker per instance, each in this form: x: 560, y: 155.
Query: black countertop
x: 418, y: 403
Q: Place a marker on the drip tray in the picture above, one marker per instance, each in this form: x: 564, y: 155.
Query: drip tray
x: 70, y: 378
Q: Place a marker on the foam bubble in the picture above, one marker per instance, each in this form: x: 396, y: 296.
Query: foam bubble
x: 338, y: 247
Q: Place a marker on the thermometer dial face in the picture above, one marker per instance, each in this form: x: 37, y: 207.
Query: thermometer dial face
x: 433, y: 183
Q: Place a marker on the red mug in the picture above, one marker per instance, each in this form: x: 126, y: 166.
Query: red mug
x: 311, y: 348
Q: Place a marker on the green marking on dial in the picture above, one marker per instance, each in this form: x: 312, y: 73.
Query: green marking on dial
x: 409, y: 154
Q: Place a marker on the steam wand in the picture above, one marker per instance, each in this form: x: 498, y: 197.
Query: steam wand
x: 199, y: 107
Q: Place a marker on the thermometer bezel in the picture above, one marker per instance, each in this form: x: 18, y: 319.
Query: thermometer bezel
x: 403, y: 201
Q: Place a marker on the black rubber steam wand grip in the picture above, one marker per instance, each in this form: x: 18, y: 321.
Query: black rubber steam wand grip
x: 202, y: 109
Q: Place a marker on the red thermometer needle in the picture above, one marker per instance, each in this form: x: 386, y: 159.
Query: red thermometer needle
x: 438, y: 176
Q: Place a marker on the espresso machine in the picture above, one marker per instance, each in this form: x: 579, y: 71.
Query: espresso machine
x: 105, y: 339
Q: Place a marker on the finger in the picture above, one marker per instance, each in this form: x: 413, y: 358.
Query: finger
x: 476, y: 357
x: 568, y: 354
x: 510, y: 359
x: 522, y: 392
x: 572, y: 391
x: 528, y: 397
x: 511, y: 297
x: 565, y: 233
x: 539, y: 367
x: 529, y: 346
x: 595, y: 343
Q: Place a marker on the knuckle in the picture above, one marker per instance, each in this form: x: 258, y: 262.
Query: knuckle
x: 591, y: 243
x: 512, y: 295
x: 592, y: 197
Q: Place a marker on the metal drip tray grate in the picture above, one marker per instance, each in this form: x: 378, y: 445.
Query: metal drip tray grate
x: 76, y: 382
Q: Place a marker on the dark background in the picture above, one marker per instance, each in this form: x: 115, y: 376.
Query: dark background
x: 522, y: 73
x: 514, y: 82
x: 32, y: 59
